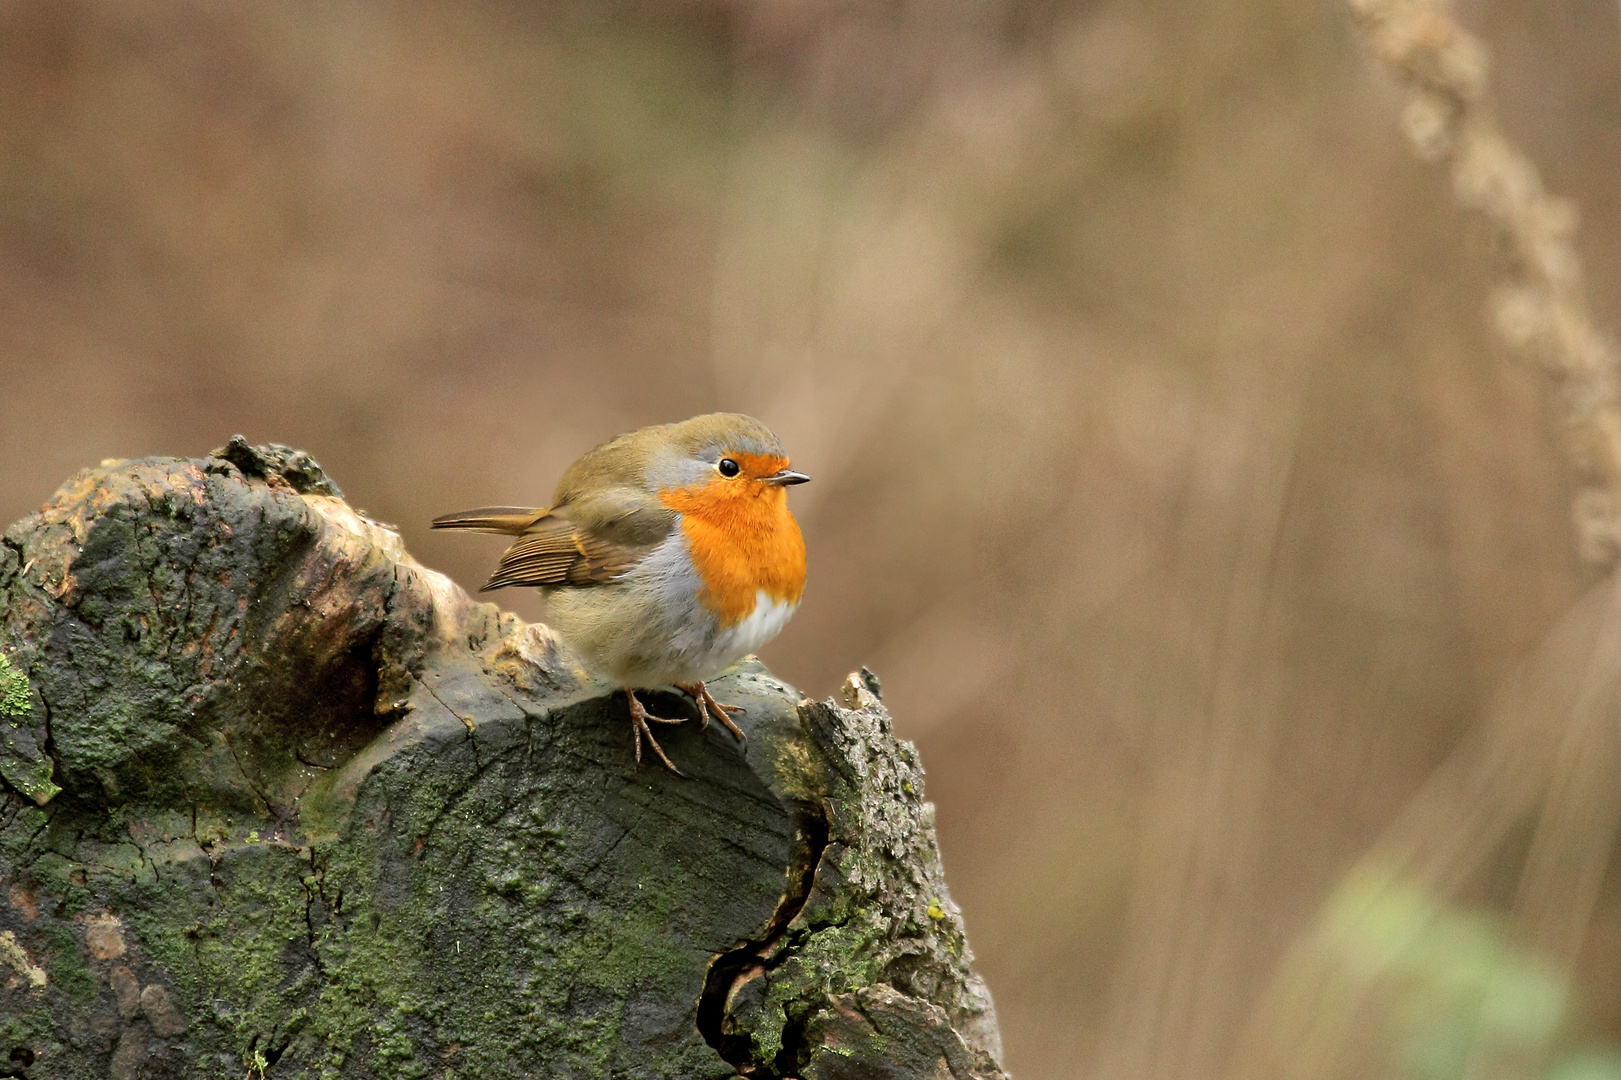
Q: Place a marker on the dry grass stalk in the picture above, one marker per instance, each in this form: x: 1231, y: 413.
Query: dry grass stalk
x: 1542, y: 310
x: 1546, y: 751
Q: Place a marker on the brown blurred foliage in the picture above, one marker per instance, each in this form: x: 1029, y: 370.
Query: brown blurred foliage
x: 1166, y: 468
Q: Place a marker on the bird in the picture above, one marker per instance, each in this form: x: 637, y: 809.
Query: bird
x: 666, y: 556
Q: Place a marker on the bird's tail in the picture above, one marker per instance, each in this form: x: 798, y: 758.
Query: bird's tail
x: 512, y: 520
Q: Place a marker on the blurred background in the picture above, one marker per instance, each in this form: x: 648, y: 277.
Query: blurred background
x: 1209, y: 546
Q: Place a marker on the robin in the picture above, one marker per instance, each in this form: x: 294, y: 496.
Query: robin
x: 667, y: 555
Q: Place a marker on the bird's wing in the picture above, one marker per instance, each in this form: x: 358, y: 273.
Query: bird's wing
x: 586, y: 542
x: 512, y: 520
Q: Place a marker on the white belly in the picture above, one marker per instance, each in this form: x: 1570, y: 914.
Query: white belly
x: 761, y: 625
x: 651, y: 632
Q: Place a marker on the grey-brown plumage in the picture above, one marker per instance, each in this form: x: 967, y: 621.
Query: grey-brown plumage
x: 606, y: 515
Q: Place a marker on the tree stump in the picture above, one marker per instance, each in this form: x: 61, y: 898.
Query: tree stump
x: 280, y: 802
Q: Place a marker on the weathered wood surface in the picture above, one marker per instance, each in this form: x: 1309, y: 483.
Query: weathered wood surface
x: 278, y: 800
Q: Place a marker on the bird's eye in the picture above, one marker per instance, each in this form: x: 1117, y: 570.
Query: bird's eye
x: 728, y: 467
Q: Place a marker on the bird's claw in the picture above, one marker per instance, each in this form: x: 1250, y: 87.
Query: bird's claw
x: 707, y: 704
x: 639, y: 717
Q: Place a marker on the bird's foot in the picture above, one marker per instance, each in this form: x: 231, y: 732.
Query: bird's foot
x: 707, y: 704
x: 639, y: 718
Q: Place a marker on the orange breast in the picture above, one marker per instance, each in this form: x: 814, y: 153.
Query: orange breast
x: 743, y: 541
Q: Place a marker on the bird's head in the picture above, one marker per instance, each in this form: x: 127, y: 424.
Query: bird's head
x: 720, y: 458
x: 723, y: 456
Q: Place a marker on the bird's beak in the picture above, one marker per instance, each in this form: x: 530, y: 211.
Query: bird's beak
x: 786, y: 477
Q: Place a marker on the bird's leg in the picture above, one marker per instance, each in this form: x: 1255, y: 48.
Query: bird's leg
x: 638, y: 726
x: 707, y: 704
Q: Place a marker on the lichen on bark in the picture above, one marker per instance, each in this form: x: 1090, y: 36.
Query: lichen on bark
x: 320, y: 814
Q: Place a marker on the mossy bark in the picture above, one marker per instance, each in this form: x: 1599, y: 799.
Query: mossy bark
x: 278, y: 801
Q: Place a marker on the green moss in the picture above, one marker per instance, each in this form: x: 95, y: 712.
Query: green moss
x: 32, y: 778
x: 65, y: 879
x: 67, y: 967
x: 832, y: 960
x: 15, y: 698
x: 23, y: 832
